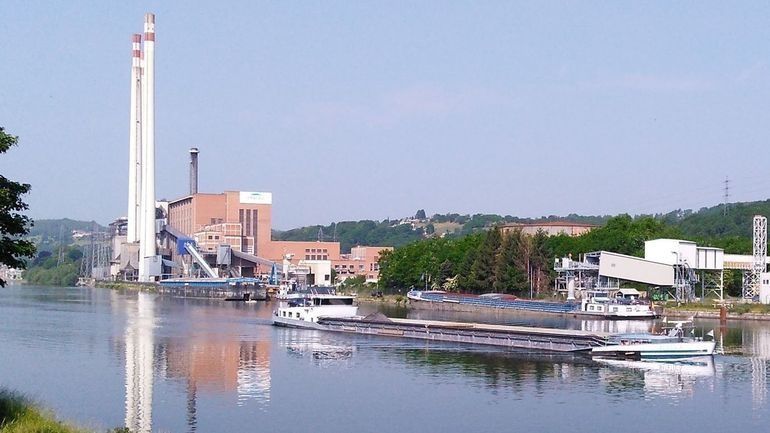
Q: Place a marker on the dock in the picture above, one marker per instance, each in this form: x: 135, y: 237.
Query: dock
x: 518, y: 337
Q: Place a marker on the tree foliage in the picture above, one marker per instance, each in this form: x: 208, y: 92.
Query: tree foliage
x: 58, y: 268
x: 513, y: 262
x: 13, y: 224
x: 351, y: 233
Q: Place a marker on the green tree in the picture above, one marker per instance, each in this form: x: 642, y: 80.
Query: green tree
x: 13, y: 224
x: 420, y: 215
x: 508, y: 276
x: 446, y: 270
x: 482, y: 276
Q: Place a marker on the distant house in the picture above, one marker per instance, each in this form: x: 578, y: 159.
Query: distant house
x: 551, y: 228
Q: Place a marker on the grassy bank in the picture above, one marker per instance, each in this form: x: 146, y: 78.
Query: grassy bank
x: 127, y: 285
x: 385, y: 299
x: 19, y: 414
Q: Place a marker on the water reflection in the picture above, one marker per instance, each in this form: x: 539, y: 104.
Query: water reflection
x: 323, y: 351
x: 509, y: 370
x: 205, y: 359
x: 139, y: 354
x: 659, y: 379
x: 171, y: 365
x: 756, y: 342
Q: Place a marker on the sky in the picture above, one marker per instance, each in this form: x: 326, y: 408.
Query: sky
x: 374, y: 109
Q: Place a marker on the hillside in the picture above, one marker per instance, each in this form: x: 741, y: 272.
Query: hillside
x: 49, y: 233
x: 712, y: 221
x: 707, y: 225
x: 395, y: 233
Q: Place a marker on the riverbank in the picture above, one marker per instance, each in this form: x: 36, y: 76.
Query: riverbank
x: 127, y: 285
x: 19, y: 414
x: 398, y: 300
x: 734, y: 311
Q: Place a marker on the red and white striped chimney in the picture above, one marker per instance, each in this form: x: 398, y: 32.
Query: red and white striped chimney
x: 134, y: 140
x: 147, y: 242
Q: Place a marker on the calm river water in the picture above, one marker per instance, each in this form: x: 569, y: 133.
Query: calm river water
x: 106, y: 359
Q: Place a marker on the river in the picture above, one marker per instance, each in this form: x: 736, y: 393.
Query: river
x: 105, y: 359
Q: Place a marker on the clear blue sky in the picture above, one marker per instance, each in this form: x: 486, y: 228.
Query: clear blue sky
x: 359, y: 109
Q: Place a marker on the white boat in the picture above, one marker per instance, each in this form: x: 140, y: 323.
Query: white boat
x: 305, y: 312
x: 625, y: 305
x: 673, y: 345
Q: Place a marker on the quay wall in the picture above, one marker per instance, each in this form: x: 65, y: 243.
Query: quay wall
x: 714, y: 315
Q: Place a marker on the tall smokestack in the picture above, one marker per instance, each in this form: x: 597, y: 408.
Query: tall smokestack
x: 147, y: 242
x: 134, y: 139
x: 193, y: 170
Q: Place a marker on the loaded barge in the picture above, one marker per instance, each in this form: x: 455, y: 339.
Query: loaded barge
x: 597, y: 303
x: 518, y: 337
x: 337, y: 313
x: 240, y: 288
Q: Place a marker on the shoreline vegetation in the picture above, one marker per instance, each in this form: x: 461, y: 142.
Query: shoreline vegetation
x: 19, y: 414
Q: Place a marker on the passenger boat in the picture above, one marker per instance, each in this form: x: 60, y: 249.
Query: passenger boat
x: 305, y: 312
x: 291, y: 291
x: 624, y: 305
x: 673, y: 344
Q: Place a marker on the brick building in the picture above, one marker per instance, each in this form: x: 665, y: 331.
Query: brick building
x: 242, y: 220
x: 551, y: 228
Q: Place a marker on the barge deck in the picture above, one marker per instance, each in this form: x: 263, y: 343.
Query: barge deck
x: 519, y: 337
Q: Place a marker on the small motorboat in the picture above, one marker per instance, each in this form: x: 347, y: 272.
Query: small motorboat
x: 672, y: 344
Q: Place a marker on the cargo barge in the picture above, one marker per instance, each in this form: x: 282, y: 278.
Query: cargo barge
x: 241, y: 288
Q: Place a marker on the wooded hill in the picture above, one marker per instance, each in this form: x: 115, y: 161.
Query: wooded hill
x: 48, y: 234
x: 708, y: 225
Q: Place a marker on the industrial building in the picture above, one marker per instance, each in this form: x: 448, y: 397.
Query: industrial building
x: 241, y: 221
x: 550, y: 228
x: 224, y: 234
x: 679, y: 267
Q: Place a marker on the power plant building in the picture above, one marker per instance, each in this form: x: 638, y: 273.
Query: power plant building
x: 226, y: 234
x: 242, y: 221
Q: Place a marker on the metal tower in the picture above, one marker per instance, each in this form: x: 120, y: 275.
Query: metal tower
x: 751, y: 278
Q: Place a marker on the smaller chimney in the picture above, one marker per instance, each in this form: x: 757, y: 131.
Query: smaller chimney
x: 193, y: 170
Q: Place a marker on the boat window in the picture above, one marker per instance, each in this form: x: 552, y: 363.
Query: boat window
x: 337, y: 301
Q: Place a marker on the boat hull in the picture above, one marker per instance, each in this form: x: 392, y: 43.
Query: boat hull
x: 657, y: 351
x: 296, y: 323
